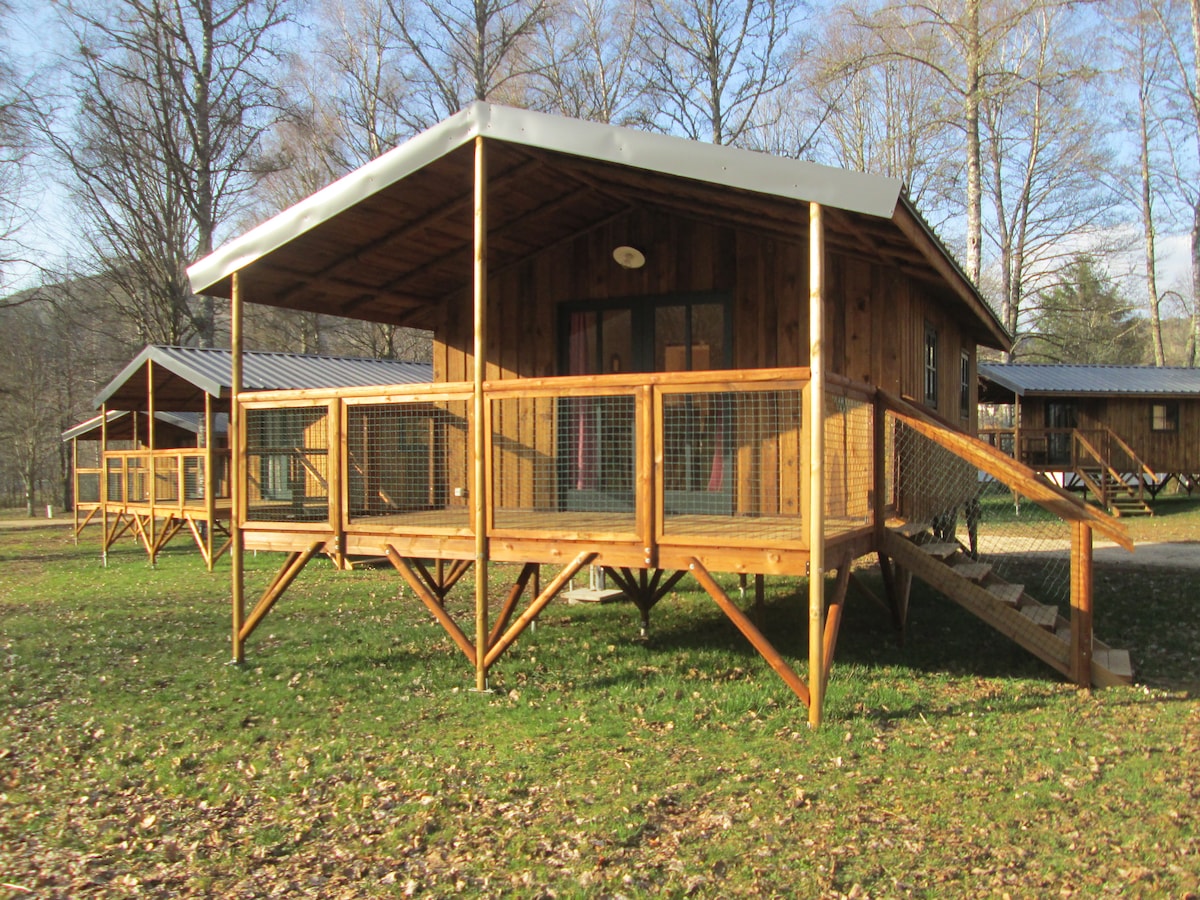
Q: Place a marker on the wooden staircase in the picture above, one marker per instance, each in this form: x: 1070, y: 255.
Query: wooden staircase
x: 1102, y: 476
x: 1006, y: 607
x: 1113, y: 492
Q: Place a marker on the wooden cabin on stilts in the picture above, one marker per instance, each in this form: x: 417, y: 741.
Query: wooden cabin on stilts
x: 1117, y: 434
x: 154, y: 483
x: 658, y: 357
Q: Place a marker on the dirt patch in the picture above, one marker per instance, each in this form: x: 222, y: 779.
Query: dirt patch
x: 1156, y: 554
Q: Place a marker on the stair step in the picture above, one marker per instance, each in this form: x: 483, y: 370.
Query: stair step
x: 1042, y: 616
x: 940, y: 550
x: 1115, y: 661
x: 911, y: 529
x: 1007, y: 593
x: 974, y: 571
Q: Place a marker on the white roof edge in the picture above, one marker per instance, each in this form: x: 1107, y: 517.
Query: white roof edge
x: 733, y: 167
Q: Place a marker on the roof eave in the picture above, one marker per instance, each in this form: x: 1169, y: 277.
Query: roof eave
x: 913, y: 224
x: 158, y: 355
x: 721, y: 165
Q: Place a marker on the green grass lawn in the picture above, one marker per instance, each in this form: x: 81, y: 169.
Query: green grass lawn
x: 349, y: 758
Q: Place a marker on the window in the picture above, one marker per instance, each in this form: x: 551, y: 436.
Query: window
x: 931, y: 365
x: 646, y: 334
x: 1164, y: 417
x: 964, y: 385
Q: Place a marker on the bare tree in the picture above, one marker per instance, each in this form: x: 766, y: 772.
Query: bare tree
x: 963, y: 43
x: 891, y: 118
x: 1044, y: 181
x: 1142, y: 64
x: 588, y: 64
x: 17, y: 103
x: 710, y: 64
x: 173, y: 99
x: 458, y: 51
x: 1179, y: 25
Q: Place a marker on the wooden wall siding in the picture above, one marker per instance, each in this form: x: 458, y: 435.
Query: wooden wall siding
x: 1164, y: 451
x: 875, y: 324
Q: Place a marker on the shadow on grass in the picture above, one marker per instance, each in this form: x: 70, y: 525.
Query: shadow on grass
x: 941, y: 638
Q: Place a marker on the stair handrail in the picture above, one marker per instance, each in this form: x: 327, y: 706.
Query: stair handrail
x: 1105, y: 465
x: 1132, y: 453
x: 1005, y: 469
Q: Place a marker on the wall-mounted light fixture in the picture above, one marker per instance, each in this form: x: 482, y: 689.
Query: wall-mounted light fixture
x: 629, y: 257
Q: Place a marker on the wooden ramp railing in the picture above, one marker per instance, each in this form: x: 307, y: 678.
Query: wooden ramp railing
x: 940, y: 473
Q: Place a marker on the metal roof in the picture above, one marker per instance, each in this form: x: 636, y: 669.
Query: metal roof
x: 1024, y: 380
x: 184, y: 374
x: 391, y: 241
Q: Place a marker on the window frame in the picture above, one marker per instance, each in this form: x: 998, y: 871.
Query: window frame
x: 931, y: 360
x: 964, y: 385
x: 1168, y: 423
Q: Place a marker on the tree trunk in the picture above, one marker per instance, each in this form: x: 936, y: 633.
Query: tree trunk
x: 1152, y: 298
x: 1194, y: 335
x: 972, y: 101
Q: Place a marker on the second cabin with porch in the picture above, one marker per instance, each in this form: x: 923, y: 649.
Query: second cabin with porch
x: 1120, y: 433
x: 650, y: 355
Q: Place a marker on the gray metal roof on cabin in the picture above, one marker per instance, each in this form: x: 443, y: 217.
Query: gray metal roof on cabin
x: 1023, y: 379
x: 197, y: 371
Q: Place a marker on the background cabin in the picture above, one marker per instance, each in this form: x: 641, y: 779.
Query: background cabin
x: 1121, y: 433
x: 650, y: 355
x: 154, y: 483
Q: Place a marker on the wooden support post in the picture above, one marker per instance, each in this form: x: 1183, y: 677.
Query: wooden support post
x: 104, y: 483
x: 236, y: 465
x: 1017, y: 455
x: 479, y: 490
x: 210, y: 487
x: 75, y: 487
x: 337, y: 499
x: 816, y: 460
x: 1081, y: 603
x: 151, y: 443
x: 746, y: 627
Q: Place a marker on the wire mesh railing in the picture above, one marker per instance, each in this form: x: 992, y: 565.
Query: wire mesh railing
x: 286, y: 464
x: 565, y: 463
x: 732, y: 464
x: 849, y: 460
x: 992, y: 522
x: 407, y: 464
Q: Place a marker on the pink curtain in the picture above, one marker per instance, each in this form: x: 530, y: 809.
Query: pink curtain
x: 585, y: 444
x: 716, y: 478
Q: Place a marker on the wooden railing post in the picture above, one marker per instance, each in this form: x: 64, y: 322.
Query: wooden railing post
x: 479, y: 481
x: 210, y: 486
x: 816, y: 462
x: 335, y: 483
x: 237, y: 465
x: 1081, y: 603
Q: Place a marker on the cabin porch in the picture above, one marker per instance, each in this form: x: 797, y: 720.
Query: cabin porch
x: 648, y: 475
x: 130, y: 488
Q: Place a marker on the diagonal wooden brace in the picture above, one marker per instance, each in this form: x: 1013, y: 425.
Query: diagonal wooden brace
x: 510, y: 603
x: 539, y: 603
x: 425, y: 596
x: 287, y: 573
x: 746, y: 627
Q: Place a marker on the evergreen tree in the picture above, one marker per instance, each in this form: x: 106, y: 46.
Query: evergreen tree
x: 1084, y: 319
